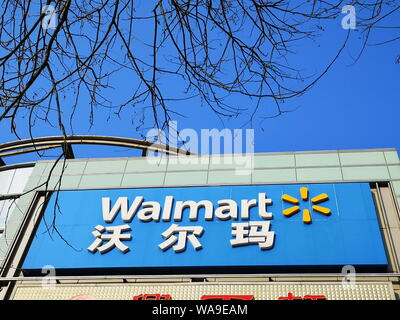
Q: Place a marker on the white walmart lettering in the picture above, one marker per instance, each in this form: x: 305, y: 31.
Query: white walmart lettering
x: 152, y: 211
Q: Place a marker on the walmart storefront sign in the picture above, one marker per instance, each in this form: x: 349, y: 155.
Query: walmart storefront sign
x: 214, y: 226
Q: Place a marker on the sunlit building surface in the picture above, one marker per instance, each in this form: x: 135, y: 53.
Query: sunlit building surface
x: 294, y: 225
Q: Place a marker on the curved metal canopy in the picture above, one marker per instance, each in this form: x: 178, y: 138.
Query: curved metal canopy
x: 65, y: 142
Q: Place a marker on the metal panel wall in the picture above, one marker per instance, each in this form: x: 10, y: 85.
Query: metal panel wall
x: 12, y: 184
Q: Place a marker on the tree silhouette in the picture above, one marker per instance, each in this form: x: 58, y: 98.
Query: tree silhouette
x: 54, y: 55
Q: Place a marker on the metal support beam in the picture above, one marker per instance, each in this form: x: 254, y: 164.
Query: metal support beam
x: 68, y: 151
x: 66, y: 142
x: 267, y: 276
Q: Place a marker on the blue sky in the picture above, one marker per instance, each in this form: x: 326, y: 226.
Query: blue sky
x: 354, y: 106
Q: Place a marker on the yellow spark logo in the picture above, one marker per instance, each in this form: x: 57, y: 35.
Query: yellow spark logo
x: 306, y: 213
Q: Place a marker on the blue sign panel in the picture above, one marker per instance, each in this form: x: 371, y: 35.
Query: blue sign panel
x: 213, y: 226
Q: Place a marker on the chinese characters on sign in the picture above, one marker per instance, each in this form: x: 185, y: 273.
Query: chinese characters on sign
x: 184, y: 233
x: 177, y: 237
x: 114, y: 238
x: 290, y: 296
x: 253, y: 232
x: 152, y: 297
x: 204, y: 297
